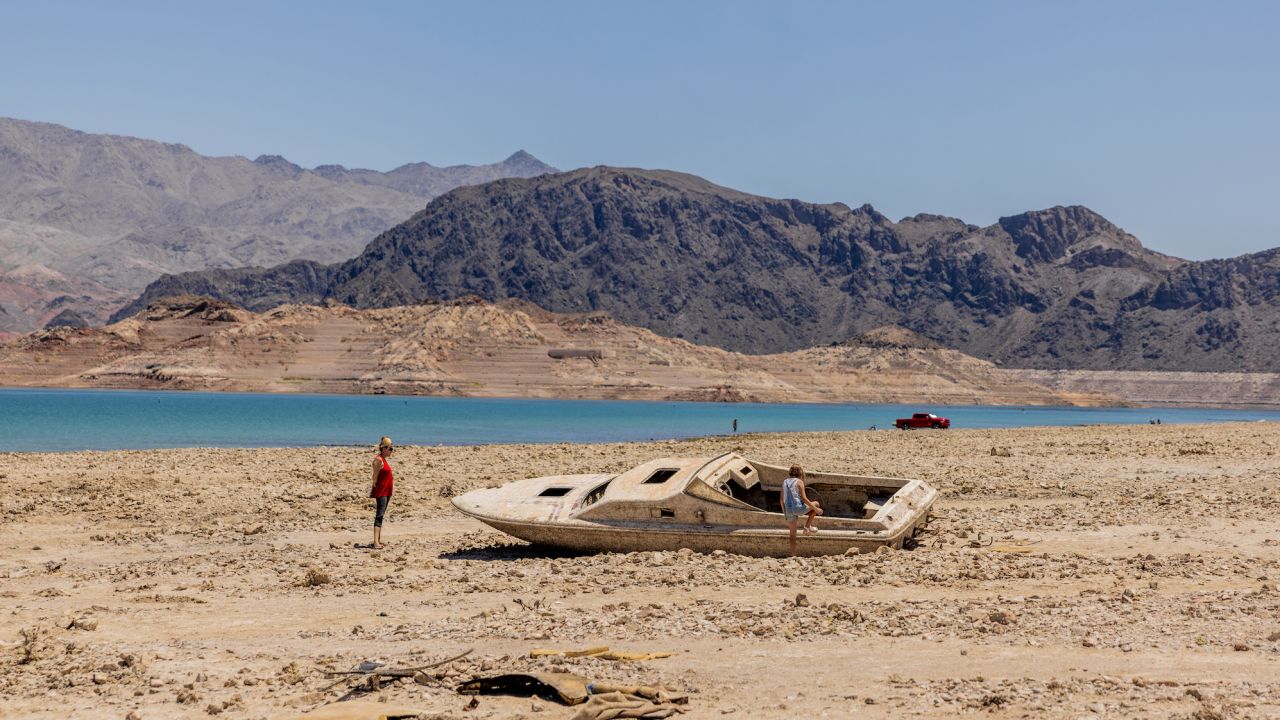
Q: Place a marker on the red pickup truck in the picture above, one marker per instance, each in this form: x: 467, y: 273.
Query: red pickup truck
x: 922, y: 420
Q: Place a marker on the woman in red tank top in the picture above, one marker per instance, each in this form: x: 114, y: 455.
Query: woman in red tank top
x: 382, y: 488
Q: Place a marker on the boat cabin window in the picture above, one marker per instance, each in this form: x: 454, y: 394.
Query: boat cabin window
x: 555, y: 492
x: 746, y: 470
x: 660, y: 476
x: 596, y: 494
x: 665, y: 513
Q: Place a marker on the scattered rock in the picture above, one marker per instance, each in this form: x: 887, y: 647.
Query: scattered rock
x: 315, y: 577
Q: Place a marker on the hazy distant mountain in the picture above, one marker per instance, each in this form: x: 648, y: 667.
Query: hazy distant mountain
x: 1056, y: 288
x: 94, y: 218
x: 427, y: 181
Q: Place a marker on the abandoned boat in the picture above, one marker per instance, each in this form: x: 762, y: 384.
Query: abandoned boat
x: 725, y: 503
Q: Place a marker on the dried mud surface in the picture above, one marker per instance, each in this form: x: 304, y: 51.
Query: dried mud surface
x: 1068, y: 572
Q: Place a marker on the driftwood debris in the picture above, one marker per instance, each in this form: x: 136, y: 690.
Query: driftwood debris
x: 374, y: 674
x: 602, y: 652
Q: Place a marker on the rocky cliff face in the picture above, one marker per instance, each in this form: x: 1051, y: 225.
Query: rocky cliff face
x: 1054, y: 288
x: 98, y: 217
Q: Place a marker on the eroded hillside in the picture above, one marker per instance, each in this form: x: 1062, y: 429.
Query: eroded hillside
x: 472, y: 348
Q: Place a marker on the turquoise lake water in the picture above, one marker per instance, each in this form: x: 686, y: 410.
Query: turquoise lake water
x: 54, y: 420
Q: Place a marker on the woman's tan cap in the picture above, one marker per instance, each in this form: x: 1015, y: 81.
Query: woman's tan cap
x: 384, y: 442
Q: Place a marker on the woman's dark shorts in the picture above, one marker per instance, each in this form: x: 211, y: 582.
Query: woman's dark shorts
x: 381, y: 511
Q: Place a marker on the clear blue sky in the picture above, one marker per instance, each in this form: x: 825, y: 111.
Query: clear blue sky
x: 1163, y: 116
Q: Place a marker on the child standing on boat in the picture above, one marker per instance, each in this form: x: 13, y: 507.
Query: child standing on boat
x: 796, y: 503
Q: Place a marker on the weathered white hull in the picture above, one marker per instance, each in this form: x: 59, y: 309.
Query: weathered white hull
x: 705, y: 504
x: 757, y: 542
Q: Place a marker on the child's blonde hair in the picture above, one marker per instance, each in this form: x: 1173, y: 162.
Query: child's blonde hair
x: 797, y: 471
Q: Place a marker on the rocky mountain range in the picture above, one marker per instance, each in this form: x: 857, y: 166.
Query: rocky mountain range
x: 1055, y: 288
x: 87, y: 220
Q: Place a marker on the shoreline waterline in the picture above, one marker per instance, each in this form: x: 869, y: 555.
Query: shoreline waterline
x: 39, y: 419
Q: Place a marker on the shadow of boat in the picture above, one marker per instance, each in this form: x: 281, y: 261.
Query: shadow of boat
x: 503, y: 552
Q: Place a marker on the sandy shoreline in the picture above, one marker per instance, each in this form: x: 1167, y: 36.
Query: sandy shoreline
x: 1133, y: 573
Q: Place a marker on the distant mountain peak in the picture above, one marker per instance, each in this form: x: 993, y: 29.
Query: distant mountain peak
x: 526, y: 164
x: 276, y: 162
x: 419, y: 166
x: 930, y: 218
x: 1079, y: 214
x: 1046, y: 235
x: 874, y: 214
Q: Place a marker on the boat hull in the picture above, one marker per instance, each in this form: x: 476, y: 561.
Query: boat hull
x: 759, y: 542
x: 725, y: 503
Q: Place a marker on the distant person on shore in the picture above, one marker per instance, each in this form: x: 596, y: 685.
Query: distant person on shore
x: 382, y: 488
x: 735, y: 426
x: 795, y: 502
